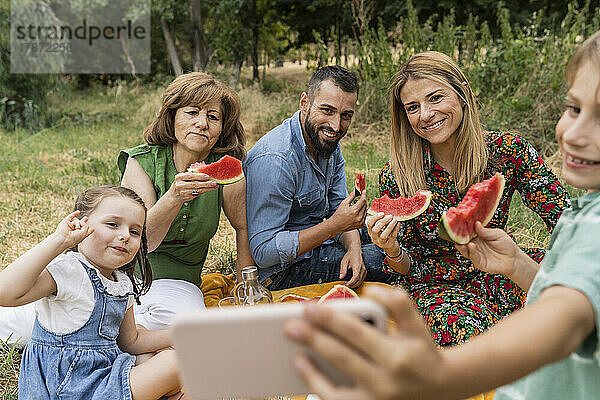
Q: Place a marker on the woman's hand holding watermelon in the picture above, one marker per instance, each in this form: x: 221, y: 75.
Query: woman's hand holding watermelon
x: 493, y: 251
x: 188, y: 185
x: 383, y: 230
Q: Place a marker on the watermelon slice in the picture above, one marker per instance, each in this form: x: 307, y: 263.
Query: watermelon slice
x: 360, y: 184
x: 293, y: 297
x: 479, y: 204
x: 402, y: 208
x: 338, y: 292
x: 225, y: 171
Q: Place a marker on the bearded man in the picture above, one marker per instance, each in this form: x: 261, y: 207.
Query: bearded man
x: 304, y: 228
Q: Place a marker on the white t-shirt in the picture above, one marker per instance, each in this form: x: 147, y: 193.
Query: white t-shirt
x: 73, y: 303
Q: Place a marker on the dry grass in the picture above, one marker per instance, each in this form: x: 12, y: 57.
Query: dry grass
x: 41, y: 173
x: 9, y: 372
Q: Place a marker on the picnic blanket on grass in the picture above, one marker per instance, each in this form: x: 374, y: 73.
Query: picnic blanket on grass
x: 216, y: 286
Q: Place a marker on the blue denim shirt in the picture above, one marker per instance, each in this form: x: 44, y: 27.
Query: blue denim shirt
x: 287, y: 192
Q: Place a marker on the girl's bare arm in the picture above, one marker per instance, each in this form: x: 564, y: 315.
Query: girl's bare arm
x: 405, y: 364
x: 26, y: 279
x: 139, y: 341
x: 546, y: 331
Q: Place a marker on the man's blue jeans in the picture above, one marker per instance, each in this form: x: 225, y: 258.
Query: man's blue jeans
x: 324, y: 266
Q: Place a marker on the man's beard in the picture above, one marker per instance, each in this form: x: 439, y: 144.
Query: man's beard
x: 323, y: 148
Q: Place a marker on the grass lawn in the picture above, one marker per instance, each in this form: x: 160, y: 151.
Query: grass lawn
x: 42, y: 172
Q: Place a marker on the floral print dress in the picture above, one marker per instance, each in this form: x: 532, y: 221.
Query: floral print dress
x: 456, y: 299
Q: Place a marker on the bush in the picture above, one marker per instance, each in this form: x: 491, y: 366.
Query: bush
x: 22, y: 96
x: 517, y: 77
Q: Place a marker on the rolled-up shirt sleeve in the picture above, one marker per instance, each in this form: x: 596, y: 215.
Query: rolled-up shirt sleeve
x: 269, y: 191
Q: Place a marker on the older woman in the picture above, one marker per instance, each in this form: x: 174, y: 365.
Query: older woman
x: 437, y: 144
x: 198, y: 121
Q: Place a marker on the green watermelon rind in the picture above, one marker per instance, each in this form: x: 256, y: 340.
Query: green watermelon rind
x: 443, y: 232
x: 416, y: 213
x: 223, y: 181
x: 446, y: 232
x: 230, y: 181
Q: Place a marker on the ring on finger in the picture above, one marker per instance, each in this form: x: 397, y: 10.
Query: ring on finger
x: 195, y: 192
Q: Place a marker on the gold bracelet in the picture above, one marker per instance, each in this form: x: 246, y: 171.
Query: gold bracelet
x: 398, y: 258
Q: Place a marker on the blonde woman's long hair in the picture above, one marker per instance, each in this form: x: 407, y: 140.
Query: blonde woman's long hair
x: 406, y: 154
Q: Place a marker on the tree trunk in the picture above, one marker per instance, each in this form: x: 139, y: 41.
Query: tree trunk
x: 338, y: 37
x: 235, y: 74
x: 131, y: 63
x: 254, y: 57
x: 197, y: 32
x: 254, y: 40
x: 171, y: 47
x: 265, y: 65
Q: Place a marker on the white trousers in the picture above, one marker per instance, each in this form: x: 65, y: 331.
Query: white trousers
x: 165, y: 299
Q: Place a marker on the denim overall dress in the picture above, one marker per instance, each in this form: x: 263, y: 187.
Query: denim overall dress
x: 85, y: 364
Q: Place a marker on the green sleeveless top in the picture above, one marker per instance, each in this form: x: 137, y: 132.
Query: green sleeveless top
x: 182, y: 253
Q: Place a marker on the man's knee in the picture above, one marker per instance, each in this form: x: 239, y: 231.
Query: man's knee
x: 372, y: 256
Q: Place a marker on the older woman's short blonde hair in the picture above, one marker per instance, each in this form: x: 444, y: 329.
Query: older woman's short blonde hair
x: 198, y: 89
x: 406, y: 155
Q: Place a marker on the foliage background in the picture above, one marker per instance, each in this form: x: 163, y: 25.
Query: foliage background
x: 60, y: 134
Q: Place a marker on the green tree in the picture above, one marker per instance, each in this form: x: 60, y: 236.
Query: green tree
x: 22, y: 96
x: 331, y: 20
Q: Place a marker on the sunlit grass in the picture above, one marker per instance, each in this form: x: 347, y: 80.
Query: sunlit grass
x: 9, y: 371
x: 42, y: 172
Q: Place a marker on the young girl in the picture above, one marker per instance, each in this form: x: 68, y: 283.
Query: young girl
x: 85, y: 332
x: 554, y: 343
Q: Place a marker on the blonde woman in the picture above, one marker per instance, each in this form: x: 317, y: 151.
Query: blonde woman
x: 437, y: 144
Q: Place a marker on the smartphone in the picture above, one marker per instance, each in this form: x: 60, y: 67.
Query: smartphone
x: 243, y: 352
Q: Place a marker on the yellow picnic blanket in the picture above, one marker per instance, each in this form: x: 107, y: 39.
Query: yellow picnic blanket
x: 217, y: 286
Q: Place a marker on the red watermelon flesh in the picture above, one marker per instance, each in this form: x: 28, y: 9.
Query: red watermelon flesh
x: 296, y: 297
x: 360, y: 184
x: 225, y: 171
x: 293, y: 297
x: 402, y: 208
x: 338, y: 292
x: 479, y: 204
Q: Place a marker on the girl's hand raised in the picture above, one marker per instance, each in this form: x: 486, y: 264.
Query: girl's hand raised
x: 72, y: 230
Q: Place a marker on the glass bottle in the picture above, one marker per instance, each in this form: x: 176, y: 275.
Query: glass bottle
x: 249, y: 291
